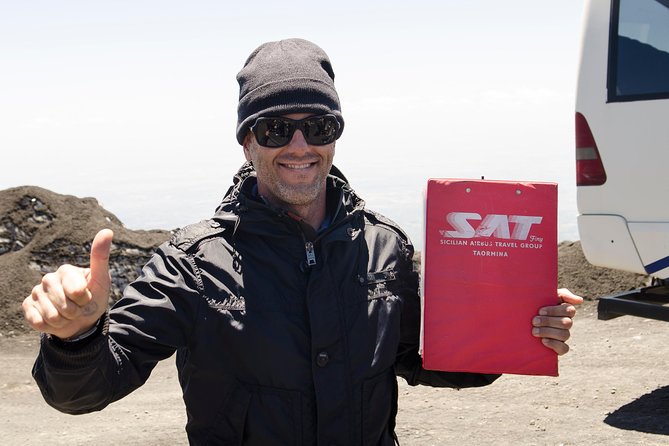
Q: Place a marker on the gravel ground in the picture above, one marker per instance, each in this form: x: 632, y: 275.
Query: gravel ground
x: 613, y: 389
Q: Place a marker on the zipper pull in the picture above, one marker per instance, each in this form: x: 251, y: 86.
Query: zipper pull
x: 311, y: 254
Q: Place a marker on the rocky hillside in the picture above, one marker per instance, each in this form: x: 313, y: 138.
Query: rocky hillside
x: 40, y: 230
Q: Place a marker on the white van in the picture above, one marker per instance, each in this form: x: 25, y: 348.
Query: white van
x: 622, y: 135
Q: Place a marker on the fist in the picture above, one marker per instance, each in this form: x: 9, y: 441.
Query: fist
x: 70, y: 301
x: 553, y: 323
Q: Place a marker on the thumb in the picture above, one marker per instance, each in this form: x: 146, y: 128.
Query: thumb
x: 99, y: 281
x: 568, y: 297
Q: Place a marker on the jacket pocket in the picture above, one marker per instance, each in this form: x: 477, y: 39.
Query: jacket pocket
x: 274, y: 417
x: 379, y: 400
x: 228, y: 427
x: 380, y: 284
x: 258, y: 416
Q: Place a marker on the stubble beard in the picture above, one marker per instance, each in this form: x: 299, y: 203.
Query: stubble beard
x: 299, y: 195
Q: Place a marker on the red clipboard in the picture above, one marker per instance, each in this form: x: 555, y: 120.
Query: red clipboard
x: 489, y: 264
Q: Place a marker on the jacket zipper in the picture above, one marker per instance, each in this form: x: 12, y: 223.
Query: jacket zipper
x: 309, y: 246
x: 309, y: 249
x: 311, y: 253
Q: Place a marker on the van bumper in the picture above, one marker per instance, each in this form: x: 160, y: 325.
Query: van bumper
x: 611, y: 241
x: 606, y: 241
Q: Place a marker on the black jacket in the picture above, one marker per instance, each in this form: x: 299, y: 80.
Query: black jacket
x: 270, y: 349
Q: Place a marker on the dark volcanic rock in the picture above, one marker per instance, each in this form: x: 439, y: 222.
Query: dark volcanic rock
x: 41, y: 230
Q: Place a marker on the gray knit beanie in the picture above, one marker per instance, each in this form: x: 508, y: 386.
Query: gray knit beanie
x: 288, y: 76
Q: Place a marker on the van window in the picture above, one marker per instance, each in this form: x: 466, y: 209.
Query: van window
x: 639, y: 56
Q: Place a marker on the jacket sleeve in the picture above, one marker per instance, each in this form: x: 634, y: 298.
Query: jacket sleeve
x: 409, y: 364
x: 152, y: 320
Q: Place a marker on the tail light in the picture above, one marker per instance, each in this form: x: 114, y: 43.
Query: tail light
x: 589, y: 168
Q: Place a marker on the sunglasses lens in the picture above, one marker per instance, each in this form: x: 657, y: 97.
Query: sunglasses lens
x: 277, y: 132
x: 273, y: 132
x: 320, y: 130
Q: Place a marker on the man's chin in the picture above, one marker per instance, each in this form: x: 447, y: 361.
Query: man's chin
x: 299, y: 195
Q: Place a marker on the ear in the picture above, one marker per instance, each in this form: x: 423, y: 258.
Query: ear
x: 246, y: 147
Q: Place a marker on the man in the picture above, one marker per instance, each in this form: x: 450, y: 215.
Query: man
x: 291, y: 310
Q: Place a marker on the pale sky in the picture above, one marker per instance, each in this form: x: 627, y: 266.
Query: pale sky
x: 134, y: 102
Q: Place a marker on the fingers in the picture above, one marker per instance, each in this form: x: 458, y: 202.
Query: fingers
x: 567, y: 308
x: 69, y: 281
x: 63, y: 291
x: 40, y: 311
x: 51, y: 312
x: 558, y: 347
x: 554, y: 337
x: 553, y: 331
x: 562, y: 310
x: 553, y: 323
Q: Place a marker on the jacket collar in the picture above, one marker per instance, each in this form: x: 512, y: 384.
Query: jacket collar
x: 341, y: 199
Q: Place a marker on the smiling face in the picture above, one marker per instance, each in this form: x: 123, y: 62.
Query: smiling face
x: 292, y: 176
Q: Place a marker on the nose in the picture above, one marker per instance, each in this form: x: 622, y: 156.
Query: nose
x: 298, y: 141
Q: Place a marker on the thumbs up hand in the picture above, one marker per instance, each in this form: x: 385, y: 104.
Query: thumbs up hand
x: 70, y: 301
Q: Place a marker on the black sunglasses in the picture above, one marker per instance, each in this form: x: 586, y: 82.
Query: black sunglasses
x: 277, y: 131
